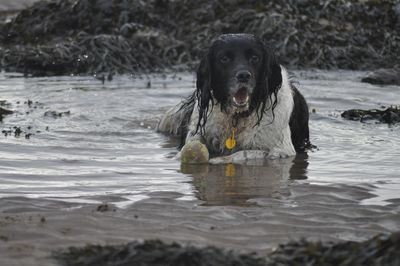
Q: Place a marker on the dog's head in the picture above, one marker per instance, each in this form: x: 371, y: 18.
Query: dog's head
x: 241, y: 74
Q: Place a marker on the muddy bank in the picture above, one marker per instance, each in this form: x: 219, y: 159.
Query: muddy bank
x: 379, y: 250
x: 383, y: 77
x: 91, y: 36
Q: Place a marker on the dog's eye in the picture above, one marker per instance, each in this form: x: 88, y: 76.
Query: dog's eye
x: 254, y: 59
x: 224, y: 59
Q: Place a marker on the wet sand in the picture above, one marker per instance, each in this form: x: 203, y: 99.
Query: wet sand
x: 31, y: 229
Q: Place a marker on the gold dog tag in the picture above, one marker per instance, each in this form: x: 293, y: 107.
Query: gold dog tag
x: 230, y: 143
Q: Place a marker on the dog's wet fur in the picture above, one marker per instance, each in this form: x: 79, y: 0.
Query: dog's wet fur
x: 241, y: 84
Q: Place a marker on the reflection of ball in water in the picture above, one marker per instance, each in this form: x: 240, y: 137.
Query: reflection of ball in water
x: 194, y: 152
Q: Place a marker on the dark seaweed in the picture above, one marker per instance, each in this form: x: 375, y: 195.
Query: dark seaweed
x: 4, y: 112
x: 153, y: 252
x: 55, y: 114
x: 24, y: 108
x: 379, y: 250
x: 130, y: 36
x: 391, y: 115
x: 105, y: 208
x: 16, y: 132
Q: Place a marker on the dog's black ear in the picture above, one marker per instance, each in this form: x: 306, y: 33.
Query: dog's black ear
x: 273, y: 70
x: 270, y: 77
x: 268, y: 84
x: 203, y: 91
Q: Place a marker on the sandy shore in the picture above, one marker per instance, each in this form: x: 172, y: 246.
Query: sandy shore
x: 30, y: 229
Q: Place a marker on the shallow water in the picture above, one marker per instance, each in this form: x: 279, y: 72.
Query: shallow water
x: 106, y: 149
x: 107, y: 145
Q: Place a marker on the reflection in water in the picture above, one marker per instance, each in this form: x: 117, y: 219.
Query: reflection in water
x: 234, y: 184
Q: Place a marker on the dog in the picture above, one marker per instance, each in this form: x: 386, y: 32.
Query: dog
x: 244, y: 106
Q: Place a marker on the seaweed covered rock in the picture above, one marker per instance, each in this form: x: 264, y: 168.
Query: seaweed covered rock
x: 4, y: 112
x: 383, y: 77
x: 390, y: 115
x: 88, y: 36
x: 379, y: 250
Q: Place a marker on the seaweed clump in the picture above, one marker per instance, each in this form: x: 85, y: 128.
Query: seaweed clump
x: 379, y: 250
x: 128, y: 36
x: 155, y: 253
x: 390, y: 115
x: 4, y: 111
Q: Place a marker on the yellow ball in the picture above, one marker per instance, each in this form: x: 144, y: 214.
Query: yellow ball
x: 194, y: 152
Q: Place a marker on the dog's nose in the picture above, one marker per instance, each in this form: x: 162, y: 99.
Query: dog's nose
x: 243, y: 75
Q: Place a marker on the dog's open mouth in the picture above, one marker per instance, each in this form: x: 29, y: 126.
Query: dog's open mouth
x: 241, y: 97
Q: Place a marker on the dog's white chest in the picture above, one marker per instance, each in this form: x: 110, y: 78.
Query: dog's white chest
x: 221, y: 129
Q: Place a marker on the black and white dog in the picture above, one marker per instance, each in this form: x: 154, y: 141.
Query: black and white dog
x: 244, y: 106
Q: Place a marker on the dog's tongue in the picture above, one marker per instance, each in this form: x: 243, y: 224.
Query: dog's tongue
x: 241, y: 96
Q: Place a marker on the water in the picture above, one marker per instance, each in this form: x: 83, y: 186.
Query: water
x: 107, y: 145
x: 106, y: 149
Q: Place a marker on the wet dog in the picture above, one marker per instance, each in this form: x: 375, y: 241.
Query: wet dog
x: 244, y: 105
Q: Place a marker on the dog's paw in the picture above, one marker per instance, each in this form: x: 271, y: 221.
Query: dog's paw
x: 277, y: 154
x: 240, y: 157
x: 220, y: 160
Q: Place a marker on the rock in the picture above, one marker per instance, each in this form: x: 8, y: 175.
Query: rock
x: 4, y: 112
x: 391, y: 115
x: 383, y: 77
x: 379, y: 250
x: 194, y: 152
